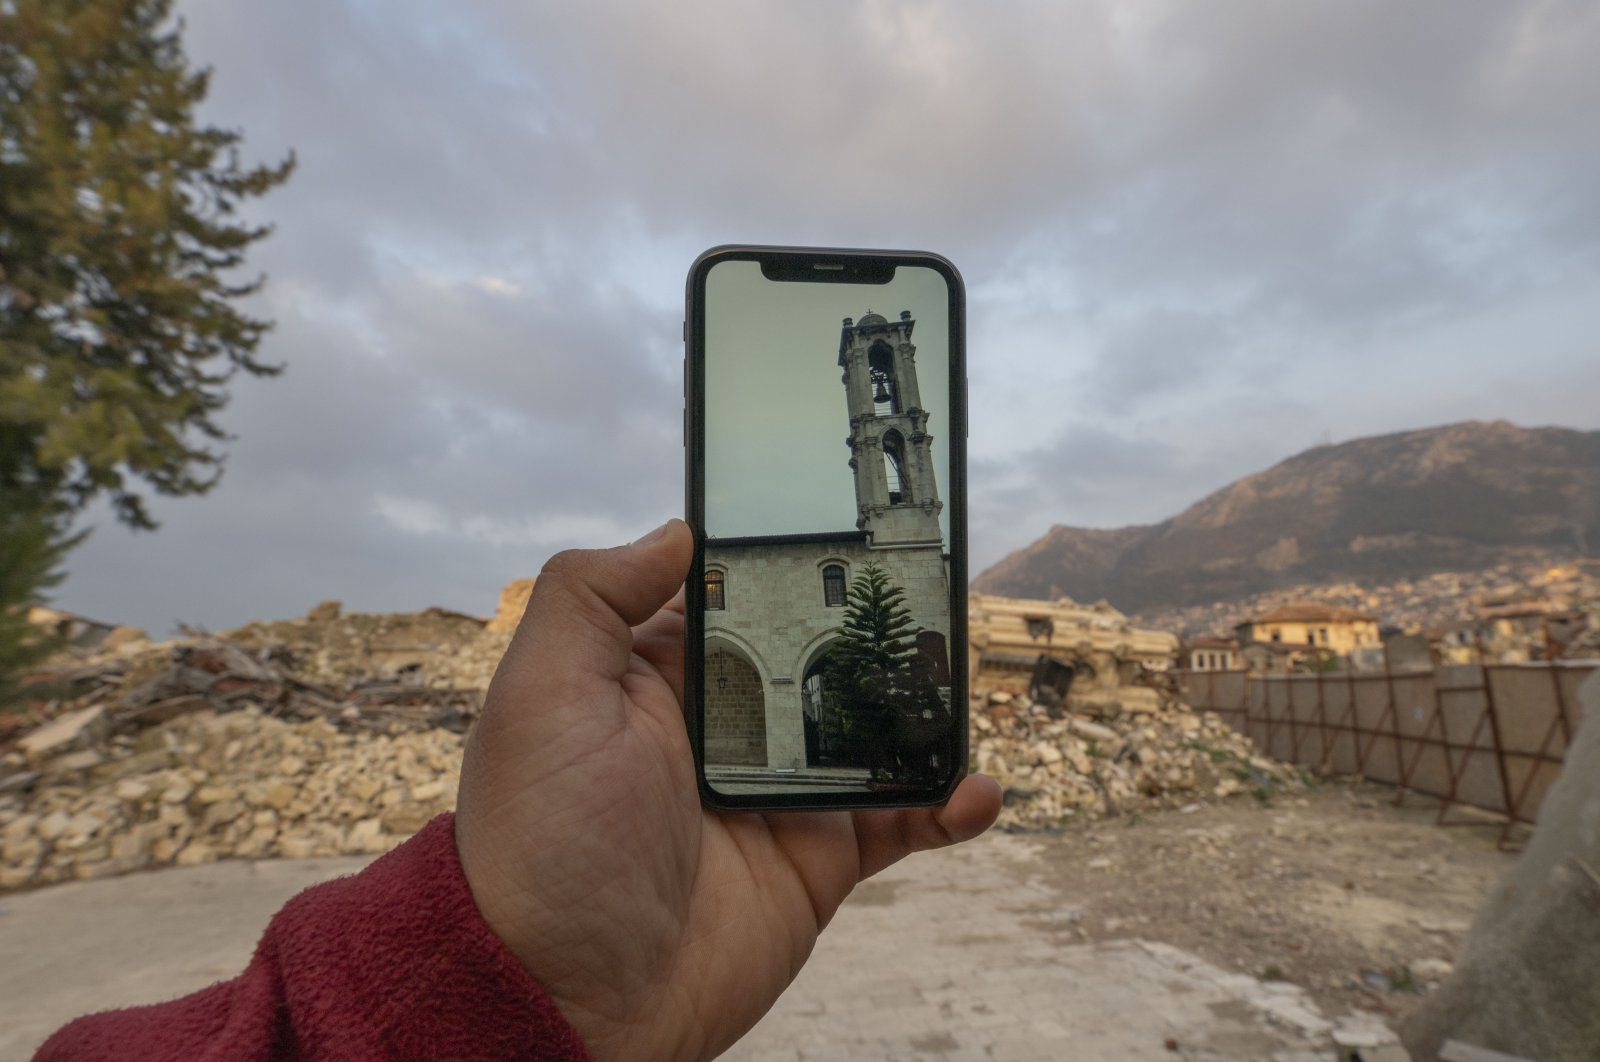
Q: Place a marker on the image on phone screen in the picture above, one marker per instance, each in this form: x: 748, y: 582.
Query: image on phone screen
x: 827, y: 663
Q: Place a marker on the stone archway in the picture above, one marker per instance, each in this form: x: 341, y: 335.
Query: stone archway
x: 736, y: 709
x: 817, y: 708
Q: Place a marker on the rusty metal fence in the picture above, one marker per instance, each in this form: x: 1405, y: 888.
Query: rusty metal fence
x: 1489, y: 736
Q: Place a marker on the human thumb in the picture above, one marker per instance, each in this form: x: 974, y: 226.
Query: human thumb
x: 585, y: 601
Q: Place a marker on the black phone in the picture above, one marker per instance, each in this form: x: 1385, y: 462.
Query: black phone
x: 825, y: 433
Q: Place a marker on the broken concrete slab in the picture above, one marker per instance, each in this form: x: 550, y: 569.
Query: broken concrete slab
x: 65, y: 733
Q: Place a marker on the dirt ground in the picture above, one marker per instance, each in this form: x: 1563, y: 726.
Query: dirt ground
x: 1340, y: 891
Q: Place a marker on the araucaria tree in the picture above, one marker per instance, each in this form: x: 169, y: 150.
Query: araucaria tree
x: 879, y: 635
x: 869, y: 667
x: 120, y: 235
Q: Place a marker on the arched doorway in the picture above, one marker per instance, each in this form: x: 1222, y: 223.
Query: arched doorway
x: 826, y: 737
x: 736, y: 709
x: 931, y: 647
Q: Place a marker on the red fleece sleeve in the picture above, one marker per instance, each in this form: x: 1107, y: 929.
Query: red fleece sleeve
x: 392, y: 963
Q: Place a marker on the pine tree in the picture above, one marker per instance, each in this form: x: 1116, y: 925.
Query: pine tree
x: 32, y: 544
x: 119, y: 232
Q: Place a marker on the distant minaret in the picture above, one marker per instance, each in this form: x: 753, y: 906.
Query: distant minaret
x: 897, y: 498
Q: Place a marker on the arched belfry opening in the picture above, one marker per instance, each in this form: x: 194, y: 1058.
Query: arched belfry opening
x: 885, y: 388
x: 894, y: 469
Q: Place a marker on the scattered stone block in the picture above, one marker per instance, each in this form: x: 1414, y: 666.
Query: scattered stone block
x: 125, y: 638
x: 325, y: 612
x: 427, y: 791
x: 279, y: 795
x: 195, y: 853
x: 297, y: 847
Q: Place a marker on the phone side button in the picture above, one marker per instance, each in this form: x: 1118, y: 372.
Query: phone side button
x: 684, y: 439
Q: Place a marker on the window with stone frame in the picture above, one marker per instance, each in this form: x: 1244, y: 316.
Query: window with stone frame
x: 833, y: 586
x: 716, y: 591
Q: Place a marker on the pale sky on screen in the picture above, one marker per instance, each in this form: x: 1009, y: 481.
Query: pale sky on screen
x: 776, y: 415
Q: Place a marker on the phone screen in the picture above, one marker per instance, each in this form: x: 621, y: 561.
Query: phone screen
x: 828, y: 600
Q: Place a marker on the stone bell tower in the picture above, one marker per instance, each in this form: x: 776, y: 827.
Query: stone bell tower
x: 897, y: 498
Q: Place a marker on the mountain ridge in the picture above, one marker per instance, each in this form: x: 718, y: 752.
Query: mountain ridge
x: 1406, y: 503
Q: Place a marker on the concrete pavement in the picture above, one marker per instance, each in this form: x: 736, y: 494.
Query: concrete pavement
x: 85, y: 946
x: 964, y: 954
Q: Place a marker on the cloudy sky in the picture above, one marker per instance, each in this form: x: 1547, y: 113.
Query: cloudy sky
x: 1197, y: 236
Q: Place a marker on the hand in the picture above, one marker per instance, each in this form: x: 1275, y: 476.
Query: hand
x: 662, y: 930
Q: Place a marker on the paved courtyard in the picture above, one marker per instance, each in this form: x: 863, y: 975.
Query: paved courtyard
x: 962, y: 954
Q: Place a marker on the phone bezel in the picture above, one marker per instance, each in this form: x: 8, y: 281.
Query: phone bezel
x: 857, y: 264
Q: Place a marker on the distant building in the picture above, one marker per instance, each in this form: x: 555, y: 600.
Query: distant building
x: 1305, y: 636
x: 1512, y: 632
x: 1209, y: 654
x: 1279, y: 658
x: 1326, y: 627
x: 1520, y: 631
x: 1404, y: 651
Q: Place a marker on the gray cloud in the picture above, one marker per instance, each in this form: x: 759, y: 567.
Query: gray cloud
x: 1198, y: 238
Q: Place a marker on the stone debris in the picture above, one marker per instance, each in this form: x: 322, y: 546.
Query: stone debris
x: 207, y: 786
x: 1056, y: 766
x: 335, y: 734
x: 371, y: 672
x: 341, y: 733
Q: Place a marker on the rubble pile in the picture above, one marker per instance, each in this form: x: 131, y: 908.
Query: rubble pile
x: 436, y: 648
x: 208, y: 785
x: 341, y: 733
x: 1056, y: 766
x: 331, y: 734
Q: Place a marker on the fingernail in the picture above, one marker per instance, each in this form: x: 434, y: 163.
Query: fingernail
x: 652, y: 536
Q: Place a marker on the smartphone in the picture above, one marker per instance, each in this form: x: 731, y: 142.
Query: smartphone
x: 825, y: 435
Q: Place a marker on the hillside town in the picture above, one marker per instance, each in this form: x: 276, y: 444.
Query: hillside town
x: 1542, y: 608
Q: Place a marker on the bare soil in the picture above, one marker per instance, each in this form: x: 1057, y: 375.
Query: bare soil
x: 1339, y: 890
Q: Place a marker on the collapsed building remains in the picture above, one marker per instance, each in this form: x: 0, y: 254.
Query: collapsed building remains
x: 1116, y: 667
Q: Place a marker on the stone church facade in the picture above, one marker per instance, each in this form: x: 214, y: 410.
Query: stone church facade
x: 775, y: 603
